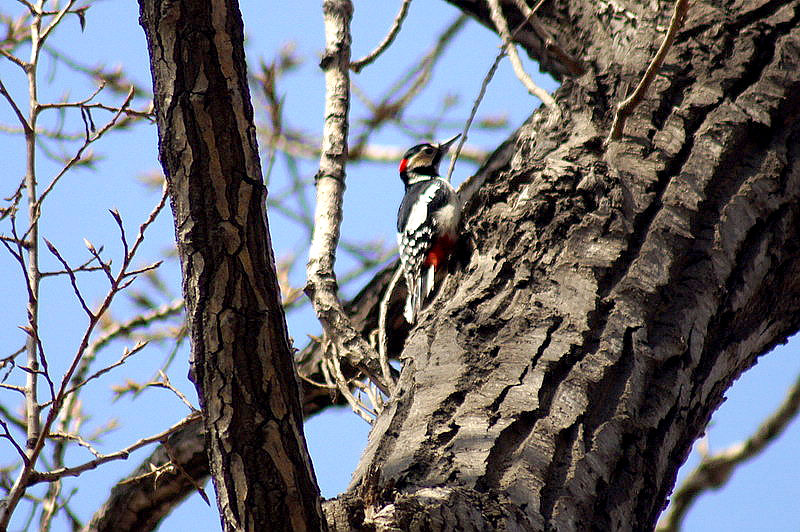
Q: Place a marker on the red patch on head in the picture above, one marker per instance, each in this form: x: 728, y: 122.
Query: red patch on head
x: 403, y: 165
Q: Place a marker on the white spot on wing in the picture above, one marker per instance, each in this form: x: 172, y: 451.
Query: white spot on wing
x: 419, y: 211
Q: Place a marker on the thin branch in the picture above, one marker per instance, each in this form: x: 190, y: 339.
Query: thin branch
x: 626, y: 107
x: 14, y: 241
x: 344, y: 388
x: 383, y: 340
x: 142, y: 320
x: 36, y: 445
x: 50, y: 476
x: 322, y: 286
x: 13, y: 387
x: 72, y: 278
x: 356, y: 66
x: 56, y: 20
x: 167, y: 384
x: 714, y: 471
x: 77, y: 157
x: 173, y: 459
x: 14, y: 59
x: 7, y: 435
x: 99, y: 373
x: 79, y: 103
x: 76, y: 269
x: 486, y: 79
x: 26, y: 127
x: 27, y: 4
x: 502, y: 28
x: 77, y: 439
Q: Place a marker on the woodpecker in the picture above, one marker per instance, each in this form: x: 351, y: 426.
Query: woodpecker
x: 427, y: 222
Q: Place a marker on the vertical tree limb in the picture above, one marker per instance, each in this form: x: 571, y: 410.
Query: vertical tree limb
x: 242, y: 361
x: 322, y: 287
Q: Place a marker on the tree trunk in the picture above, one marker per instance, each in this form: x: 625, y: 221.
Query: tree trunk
x: 610, y: 295
x: 560, y: 376
x: 242, y: 361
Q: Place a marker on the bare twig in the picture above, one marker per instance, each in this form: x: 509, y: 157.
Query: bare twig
x: 502, y: 28
x: 167, y: 384
x: 72, y: 278
x: 177, y: 463
x: 36, y: 445
x: 322, y: 286
x: 14, y: 59
x: 77, y: 439
x: 344, y: 388
x: 7, y: 435
x: 127, y: 353
x: 79, y: 153
x: 714, y: 471
x: 49, y: 476
x: 13, y: 388
x: 626, y: 107
x: 486, y: 79
x: 56, y: 20
x: 79, y: 103
x: 356, y: 66
x: 383, y: 342
x: 26, y: 127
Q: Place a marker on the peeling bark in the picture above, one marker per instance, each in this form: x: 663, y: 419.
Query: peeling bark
x: 242, y: 363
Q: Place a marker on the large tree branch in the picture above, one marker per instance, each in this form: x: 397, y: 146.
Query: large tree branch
x: 560, y: 377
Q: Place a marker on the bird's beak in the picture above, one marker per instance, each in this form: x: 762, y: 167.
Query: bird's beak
x: 444, y: 146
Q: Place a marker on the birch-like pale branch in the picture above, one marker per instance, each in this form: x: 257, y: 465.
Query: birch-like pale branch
x: 322, y: 287
x: 502, y: 28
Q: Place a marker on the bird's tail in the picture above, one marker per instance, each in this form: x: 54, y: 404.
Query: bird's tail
x: 417, y: 293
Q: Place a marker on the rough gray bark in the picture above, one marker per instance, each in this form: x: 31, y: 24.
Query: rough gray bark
x: 242, y: 361
x: 610, y: 295
x: 613, y: 295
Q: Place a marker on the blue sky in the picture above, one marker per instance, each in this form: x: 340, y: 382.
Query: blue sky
x: 762, y: 495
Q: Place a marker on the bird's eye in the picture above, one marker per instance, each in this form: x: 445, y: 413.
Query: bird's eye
x: 427, y: 151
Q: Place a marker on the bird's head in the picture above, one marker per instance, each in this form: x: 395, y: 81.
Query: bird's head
x: 421, y: 162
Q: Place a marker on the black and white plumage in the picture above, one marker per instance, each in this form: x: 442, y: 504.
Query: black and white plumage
x: 427, y: 223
